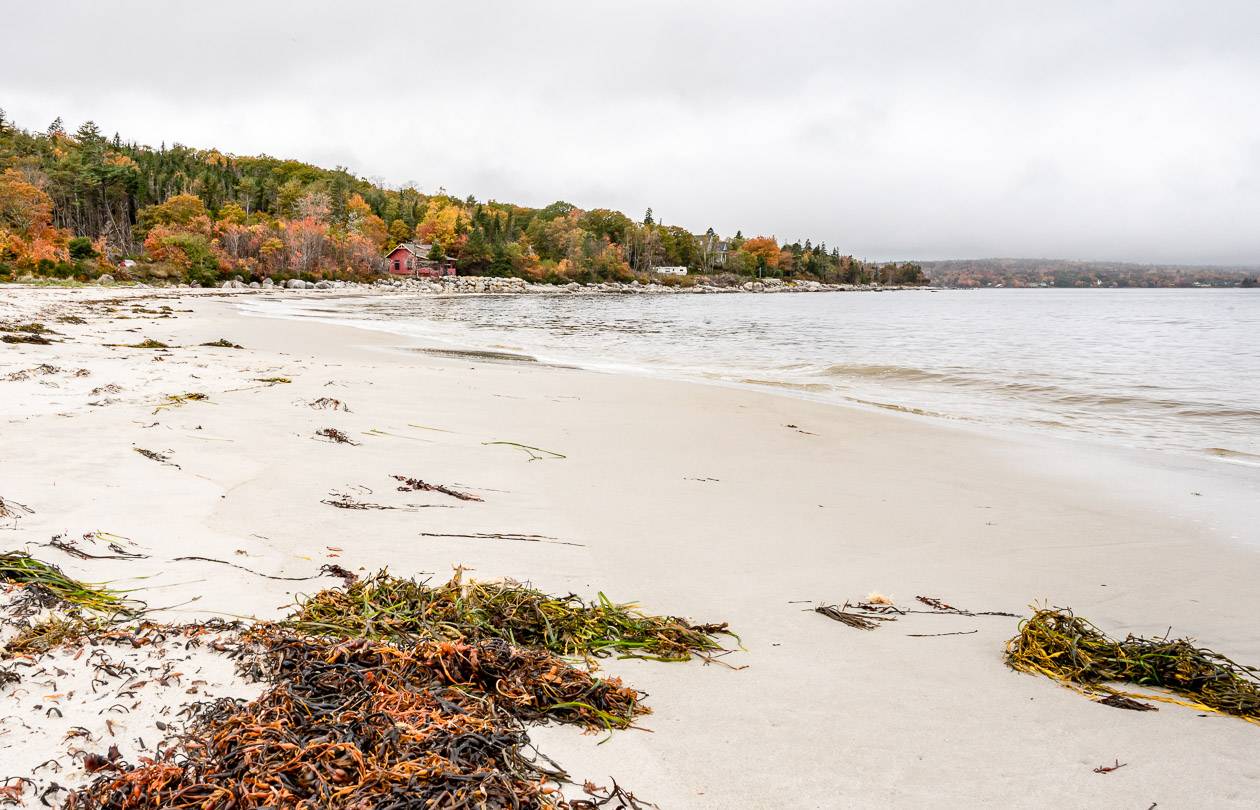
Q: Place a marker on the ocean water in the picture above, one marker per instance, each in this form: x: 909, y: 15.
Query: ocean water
x: 1171, y: 370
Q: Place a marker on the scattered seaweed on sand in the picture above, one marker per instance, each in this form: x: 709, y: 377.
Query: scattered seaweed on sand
x: 856, y: 620
x: 38, y: 340
x: 615, y: 796
x: 328, y: 403
x: 534, y: 453
x: 1122, y: 702
x: 111, y: 388
x: 367, y: 724
x: 344, y: 501
x: 223, y: 343
x: 523, y: 538
x: 941, y: 607
x: 50, y: 633
x: 70, y: 546
x: 178, y: 400
x: 335, y: 436
x: 392, y: 608
x: 28, y: 328
x: 43, y: 369
x: 20, y: 568
x: 416, y: 485
x: 879, y: 608
x: 147, y: 343
x: 273, y: 380
x: 259, y: 573
x: 1073, y: 651
x: 153, y: 455
x: 13, y: 511
x: 72, y: 319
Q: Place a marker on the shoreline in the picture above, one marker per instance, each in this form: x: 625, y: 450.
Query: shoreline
x: 484, y: 285
x: 1181, y: 457
x: 735, y: 508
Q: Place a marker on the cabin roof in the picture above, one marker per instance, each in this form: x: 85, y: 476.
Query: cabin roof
x: 418, y: 249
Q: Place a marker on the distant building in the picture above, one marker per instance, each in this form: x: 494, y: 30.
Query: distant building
x: 721, y: 249
x: 714, y: 249
x: 670, y: 271
x: 412, y: 259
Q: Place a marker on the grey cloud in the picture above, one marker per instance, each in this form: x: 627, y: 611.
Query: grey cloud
x: 1117, y: 130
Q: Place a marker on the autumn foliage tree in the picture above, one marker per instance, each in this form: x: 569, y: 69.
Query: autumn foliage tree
x: 27, y: 235
x: 203, y: 215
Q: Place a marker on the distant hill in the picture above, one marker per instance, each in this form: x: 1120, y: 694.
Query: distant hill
x: 1068, y: 273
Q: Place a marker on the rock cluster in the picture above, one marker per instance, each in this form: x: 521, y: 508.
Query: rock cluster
x: 483, y: 285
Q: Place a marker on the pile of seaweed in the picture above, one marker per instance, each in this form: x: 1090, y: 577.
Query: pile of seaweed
x: 1063, y: 646
x: 373, y: 725
x: 383, y: 693
x: 392, y: 608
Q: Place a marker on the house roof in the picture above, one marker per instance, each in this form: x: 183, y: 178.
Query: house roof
x: 418, y: 249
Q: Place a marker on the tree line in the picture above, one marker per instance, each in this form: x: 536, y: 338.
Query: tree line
x: 75, y: 203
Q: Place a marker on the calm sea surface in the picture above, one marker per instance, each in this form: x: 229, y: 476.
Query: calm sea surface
x: 1175, y: 370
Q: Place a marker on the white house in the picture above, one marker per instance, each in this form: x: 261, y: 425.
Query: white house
x: 671, y: 271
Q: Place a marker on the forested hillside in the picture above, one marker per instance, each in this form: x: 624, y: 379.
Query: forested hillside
x: 76, y: 204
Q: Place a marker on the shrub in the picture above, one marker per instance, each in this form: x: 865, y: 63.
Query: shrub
x: 81, y: 248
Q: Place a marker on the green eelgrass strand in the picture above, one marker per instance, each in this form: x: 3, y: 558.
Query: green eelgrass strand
x: 391, y: 608
x: 20, y: 568
x: 1061, y: 645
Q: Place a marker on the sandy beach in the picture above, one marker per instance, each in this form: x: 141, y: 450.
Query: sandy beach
x: 717, y: 504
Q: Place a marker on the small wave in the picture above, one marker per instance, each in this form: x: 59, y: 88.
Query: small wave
x: 479, y: 354
x: 888, y: 406
x: 1059, y: 395
x: 884, y: 372
x: 791, y: 386
x: 1223, y: 412
x: 1233, y: 455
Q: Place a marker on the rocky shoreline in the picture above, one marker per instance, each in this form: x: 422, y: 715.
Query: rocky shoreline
x: 454, y: 285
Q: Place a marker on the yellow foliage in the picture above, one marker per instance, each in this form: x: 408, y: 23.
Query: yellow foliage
x: 441, y: 223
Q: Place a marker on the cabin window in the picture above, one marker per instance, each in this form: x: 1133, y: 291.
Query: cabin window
x: 409, y: 264
x: 397, y: 267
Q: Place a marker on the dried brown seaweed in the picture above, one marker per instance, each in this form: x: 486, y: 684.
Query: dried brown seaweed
x: 335, y: 436
x: 416, y: 485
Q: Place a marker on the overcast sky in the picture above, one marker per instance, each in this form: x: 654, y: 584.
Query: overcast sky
x: 1109, y: 130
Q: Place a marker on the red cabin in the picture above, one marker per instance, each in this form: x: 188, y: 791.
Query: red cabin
x: 412, y: 259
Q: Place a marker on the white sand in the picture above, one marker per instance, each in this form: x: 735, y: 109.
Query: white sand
x: 853, y: 501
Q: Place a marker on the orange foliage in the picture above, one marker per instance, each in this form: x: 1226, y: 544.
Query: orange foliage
x: 26, y: 231
x: 763, y: 248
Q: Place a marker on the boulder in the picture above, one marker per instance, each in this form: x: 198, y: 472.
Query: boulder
x: 105, y: 278
x: 295, y: 284
x: 323, y: 285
